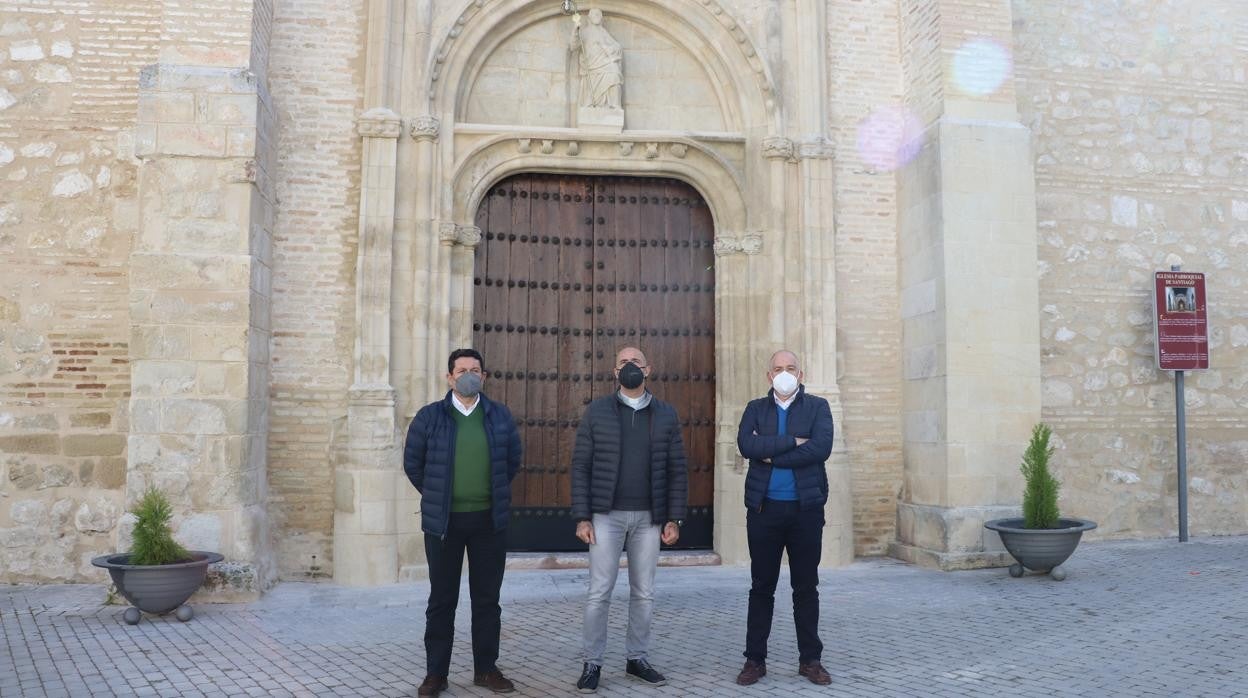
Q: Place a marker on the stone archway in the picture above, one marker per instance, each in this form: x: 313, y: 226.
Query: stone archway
x: 421, y: 194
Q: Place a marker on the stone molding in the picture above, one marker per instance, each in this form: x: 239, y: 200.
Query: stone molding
x: 425, y: 128
x: 817, y: 148
x: 651, y: 150
x: 379, y: 122
x: 720, y: 14
x: 379, y: 395
x: 716, y: 172
x: 745, y: 244
x: 453, y: 234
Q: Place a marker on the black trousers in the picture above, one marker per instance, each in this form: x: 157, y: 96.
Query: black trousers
x: 782, y: 526
x: 487, y: 555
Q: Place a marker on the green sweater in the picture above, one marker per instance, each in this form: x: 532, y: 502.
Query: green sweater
x: 470, y: 484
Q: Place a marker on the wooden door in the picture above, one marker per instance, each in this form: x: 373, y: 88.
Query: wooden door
x: 571, y: 269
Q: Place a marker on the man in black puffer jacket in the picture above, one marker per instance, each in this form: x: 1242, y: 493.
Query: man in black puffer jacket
x: 462, y: 453
x: 787, y: 436
x: 628, y: 480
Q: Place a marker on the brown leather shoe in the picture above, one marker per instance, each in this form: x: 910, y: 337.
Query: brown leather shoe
x: 495, y: 681
x: 751, y: 672
x: 815, y: 672
x: 432, y: 685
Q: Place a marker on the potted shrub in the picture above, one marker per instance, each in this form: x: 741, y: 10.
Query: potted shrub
x: 158, y: 575
x: 1041, y: 540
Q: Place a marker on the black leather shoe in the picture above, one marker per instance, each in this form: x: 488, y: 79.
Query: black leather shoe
x: 815, y: 672
x: 432, y: 685
x: 588, y: 682
x: 751, y: 673
x: 494, y: 680
x: 641, y: 669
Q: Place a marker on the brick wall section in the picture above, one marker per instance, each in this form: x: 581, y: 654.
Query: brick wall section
x: 207, y: 32
x: 67, y: 219
x: 922, y: 59
x: 1139, y: 140
x: 864, y: 42
x: 316, y: 72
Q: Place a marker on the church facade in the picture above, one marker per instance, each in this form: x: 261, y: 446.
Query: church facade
x: 240, y: 240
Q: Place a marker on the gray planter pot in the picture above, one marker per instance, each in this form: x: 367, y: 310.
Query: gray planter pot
x: 157, y: 588
x: 1040, y: 549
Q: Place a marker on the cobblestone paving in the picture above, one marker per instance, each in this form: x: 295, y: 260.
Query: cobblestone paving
x: 1133, y: 619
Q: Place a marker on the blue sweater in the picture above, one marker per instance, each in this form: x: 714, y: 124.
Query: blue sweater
x: 759, y: 438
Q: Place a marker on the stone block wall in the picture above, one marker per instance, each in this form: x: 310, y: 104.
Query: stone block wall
x: 196, y: 331
x: 68, y: 217
x: 1138, y: 115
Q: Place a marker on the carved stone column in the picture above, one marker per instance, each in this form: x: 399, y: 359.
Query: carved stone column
x: 425, y: 380
x: 819, y: 345
x: 734, y: 254
x: 366, y: 479
x: 416, y: 332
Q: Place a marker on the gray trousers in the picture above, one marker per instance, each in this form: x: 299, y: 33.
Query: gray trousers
x: 614, y: 533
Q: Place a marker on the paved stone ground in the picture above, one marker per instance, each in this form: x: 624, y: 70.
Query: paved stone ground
x: 1133, y: 619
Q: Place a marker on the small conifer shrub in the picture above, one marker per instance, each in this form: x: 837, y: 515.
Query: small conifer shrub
x: 1040, y: 491
x: 153, y: 539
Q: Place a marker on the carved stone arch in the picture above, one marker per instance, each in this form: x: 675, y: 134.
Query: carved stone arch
x: 497, y: 158
x: 703, y: 25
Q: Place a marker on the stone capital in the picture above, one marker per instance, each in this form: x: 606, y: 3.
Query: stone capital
x: 777, y: 148
x: 468, y: 235
x: 425, y: 128
x: 452, y: 234
x: 745, y: 244
x: 379, y: 122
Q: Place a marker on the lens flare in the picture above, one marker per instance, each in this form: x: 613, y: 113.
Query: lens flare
x: 889, y: 138
x: 980, y: 66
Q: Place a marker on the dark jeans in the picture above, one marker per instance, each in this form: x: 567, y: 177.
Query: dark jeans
x: 487, y: 555
x: 778, y: 527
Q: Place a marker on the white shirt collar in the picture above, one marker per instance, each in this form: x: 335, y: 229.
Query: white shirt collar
x: 784, y: 404
x: 463, y: 409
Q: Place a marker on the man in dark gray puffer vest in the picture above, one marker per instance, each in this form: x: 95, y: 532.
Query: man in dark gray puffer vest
x: 628, y: 479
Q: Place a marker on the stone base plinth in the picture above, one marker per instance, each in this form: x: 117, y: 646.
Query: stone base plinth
x: 603, y: 119
x: 233, y: 582
x: 950, y: 538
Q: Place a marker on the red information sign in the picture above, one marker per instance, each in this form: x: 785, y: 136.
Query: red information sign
x: 1182, y: 321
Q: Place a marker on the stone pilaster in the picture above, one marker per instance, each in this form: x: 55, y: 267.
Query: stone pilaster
x: 367, y: 477
x: 731, y: 320
x: 199, y: 313
x: 970, y: 310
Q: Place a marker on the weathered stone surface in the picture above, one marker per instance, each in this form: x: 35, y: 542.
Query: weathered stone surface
x: 31, y: 444
x: 99, y: 516
x: 108, y: 473
x: 200, y: 532
x: 93, y: 444
x: 90, y: 419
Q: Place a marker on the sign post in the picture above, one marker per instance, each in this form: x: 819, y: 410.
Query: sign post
x: 1181, y: 338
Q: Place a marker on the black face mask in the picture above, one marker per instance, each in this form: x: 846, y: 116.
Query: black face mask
x: 631, y: 376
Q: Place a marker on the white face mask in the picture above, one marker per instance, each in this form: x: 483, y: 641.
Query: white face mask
x: 785, y: 383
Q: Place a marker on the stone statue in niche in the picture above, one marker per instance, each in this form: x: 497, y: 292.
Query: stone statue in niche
x: 601, y: 59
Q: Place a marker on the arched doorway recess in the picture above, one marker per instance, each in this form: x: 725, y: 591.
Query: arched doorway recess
x: 570, y: 269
